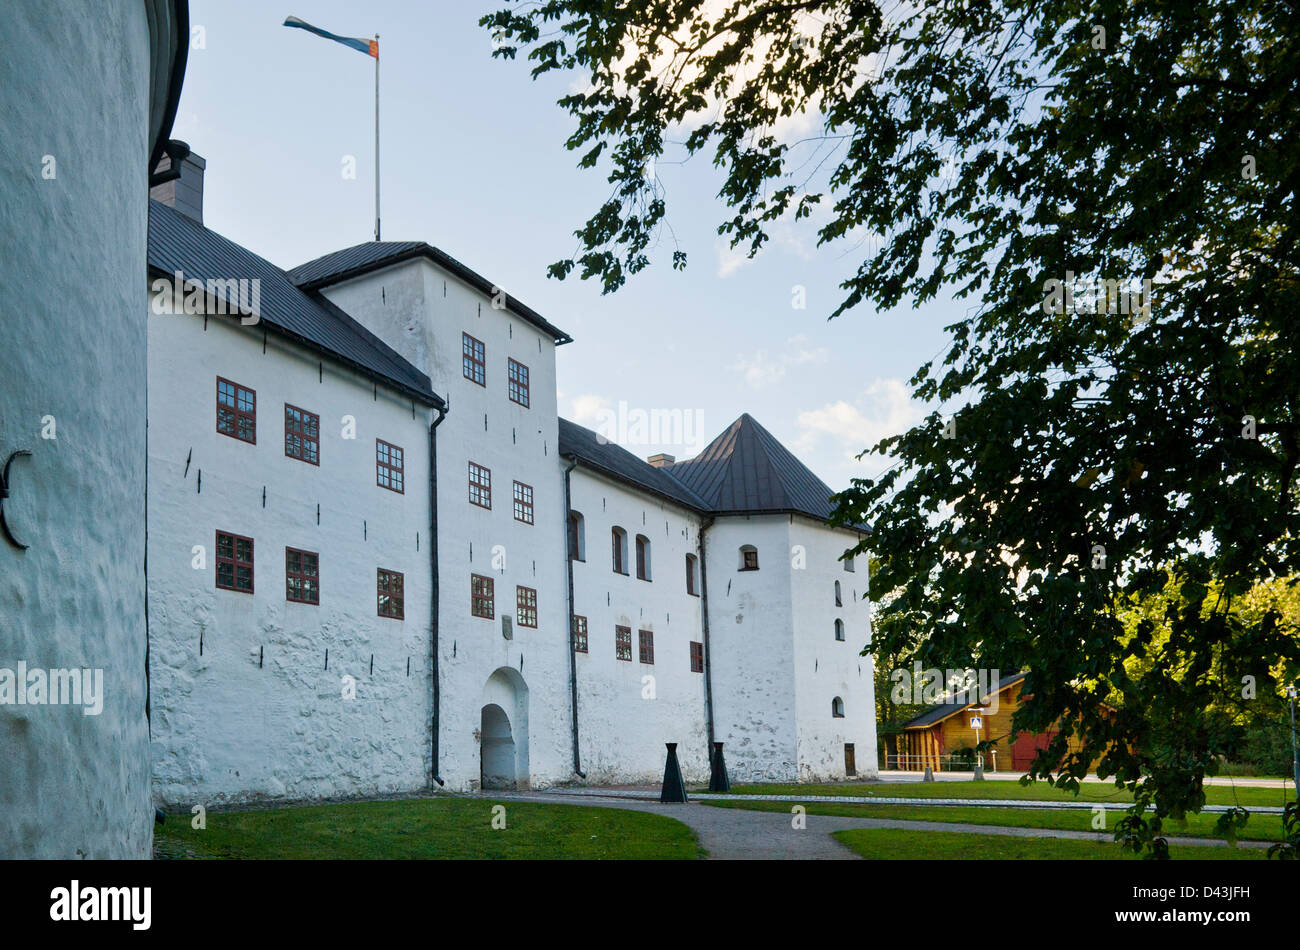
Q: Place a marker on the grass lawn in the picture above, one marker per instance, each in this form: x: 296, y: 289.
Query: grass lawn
x: 428, y: 828
x: 890, y: 845
x: 1259, y: 828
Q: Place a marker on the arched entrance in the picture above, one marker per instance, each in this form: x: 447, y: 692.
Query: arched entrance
x: 503, y: 731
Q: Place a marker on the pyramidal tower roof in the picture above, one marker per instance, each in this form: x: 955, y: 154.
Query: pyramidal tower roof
x: 746, y: 470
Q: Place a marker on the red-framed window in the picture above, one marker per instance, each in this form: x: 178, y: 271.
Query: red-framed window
x: 236, y: 411
x: 473, y: 359
x: 647, y: 646
x: 301, y: 434
x: 482, y: 599
x: 389, y: 471
x: 697, y: 656
x: 579, y: 634
x: 480, y: 485
x: 523, y: 503
x: 748, y: 558
x: 388, y: 589
x: 623, y: 643
x: 518, y: 382
x: 301, y: 576
x: 526, y: 606
x: 234, y: 562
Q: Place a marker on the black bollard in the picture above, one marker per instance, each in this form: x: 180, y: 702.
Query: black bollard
x: 718, y: 781
x: 674, y: 790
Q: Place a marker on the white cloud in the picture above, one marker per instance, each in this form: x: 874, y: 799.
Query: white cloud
x: 884, y: 408
x: 586, y: 409
x: 761, y: 370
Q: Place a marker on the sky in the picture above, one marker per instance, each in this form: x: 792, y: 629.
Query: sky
x: 473, y: 162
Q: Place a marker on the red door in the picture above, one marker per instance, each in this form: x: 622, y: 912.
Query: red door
x: 1026, y: 746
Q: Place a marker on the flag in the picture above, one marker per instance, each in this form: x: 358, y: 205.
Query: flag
x: 370, y: 47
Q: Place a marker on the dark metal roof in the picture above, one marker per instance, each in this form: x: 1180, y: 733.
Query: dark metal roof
x: 363, y: 258
x: 960, y: 702
x: 618, y: 463
x: 746, y: 470
x: 178, y: 243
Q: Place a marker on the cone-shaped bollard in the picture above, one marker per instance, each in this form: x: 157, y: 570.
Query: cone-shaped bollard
x: 929, y: 775
x: 674, y: 788
x: 718, y: 781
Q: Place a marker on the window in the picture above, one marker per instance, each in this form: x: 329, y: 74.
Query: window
x: 518, y: 383
x: 647, y: 646
x: 579, y: 634
x: 618, y: 539
x: 697, y: 656
x: 236, y: 411
x: 481, y: 599
x: 480, y: 486
x: 850, y: 760
x: 473, y: 360
x: 526, y: 606
x: 838, y: 602
x: 839, y: 629
x: 643, y: 557
x: 623, y: 643
x: 523, y: 503
x: 690, y: 575
x: 848, y: 564
x: 388, y: 466
x: 301, y: 576
x: 389, y: 588
x: 234, y: 562
x: 837, y: 708
x: 749, y: 558
x: 301, y: 434
x: 577, y: 537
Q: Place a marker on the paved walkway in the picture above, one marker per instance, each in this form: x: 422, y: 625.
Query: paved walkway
x: 738, y: 834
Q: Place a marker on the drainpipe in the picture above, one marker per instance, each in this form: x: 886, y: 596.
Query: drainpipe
x: 434, y: 593
x: 573, y: 656
x: 708, y: 654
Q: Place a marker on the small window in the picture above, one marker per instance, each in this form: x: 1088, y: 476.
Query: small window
x: 234, y: 562
x: 577, y: 537
x: 848, y: 564
x: 839, y: 629
x: 579, y: 634
x: 850, y: 760
x: 236, y: 411
x: 523, y: 503
x: 388, y: 466
x: 690, y: 575
x: 526, y: 604
x: 618, y: 541
x: 647, y: 646
x: 643, y: 557
x: 301, y: 576
x: 481, y: 599
x: 301, y: 434
x: 623, y: 643
x: 837, y: 708
x: 749, y: 558
x: 838, y: 602
x: 518, y: 374
x: 389, y: 589
x: 473, y: 359
x: 480, y: 486
x: 697, y: 656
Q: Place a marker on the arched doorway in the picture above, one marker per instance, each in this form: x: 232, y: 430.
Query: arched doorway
x: 503, y: 731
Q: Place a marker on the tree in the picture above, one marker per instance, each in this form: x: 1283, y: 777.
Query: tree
x: 1120, y: 405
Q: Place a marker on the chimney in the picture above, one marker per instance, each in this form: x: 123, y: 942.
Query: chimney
x: 184, y: 192
x: 661, y: 460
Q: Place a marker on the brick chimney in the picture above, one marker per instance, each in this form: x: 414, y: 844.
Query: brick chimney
x: 661, y: 460
x: 185, y: 193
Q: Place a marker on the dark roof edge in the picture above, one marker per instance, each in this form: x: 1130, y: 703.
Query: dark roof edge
x: 722, y: 513
x: 181, y: 10
x: 446, y: 261
x: 429, y: 398
x: 638, y: 486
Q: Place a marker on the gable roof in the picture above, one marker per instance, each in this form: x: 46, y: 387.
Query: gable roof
x: 179, y: 243
x: 621, y: 465
x: 373, y: 255
x: 746, y: 470
x: 961, y: 701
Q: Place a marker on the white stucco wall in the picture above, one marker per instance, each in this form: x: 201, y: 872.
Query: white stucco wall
x: 625, y: 720
x: 74, y: 79
x: 225, y: 728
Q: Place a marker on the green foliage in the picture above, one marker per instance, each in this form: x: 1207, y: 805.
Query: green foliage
x: 1088, y: 458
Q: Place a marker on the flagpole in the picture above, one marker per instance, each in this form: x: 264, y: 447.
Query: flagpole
x: 376, y: 137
